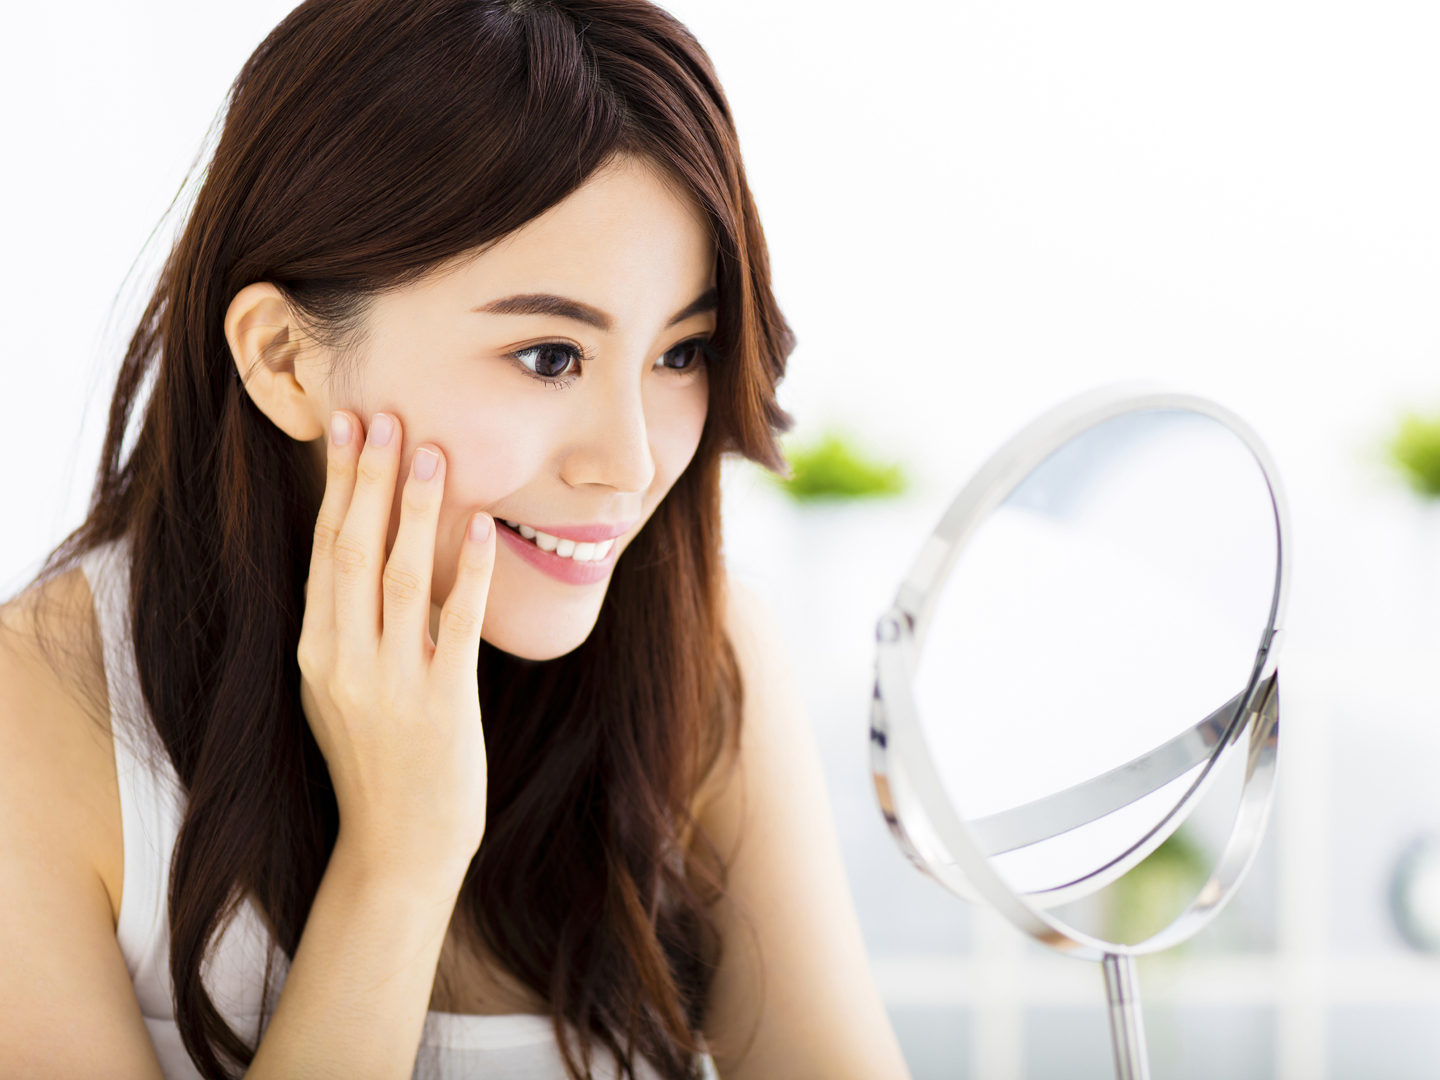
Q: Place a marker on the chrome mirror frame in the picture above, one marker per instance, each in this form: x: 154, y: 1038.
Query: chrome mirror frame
x: 954, y: 852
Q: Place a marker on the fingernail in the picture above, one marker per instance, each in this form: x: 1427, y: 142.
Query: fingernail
x: 381, y: 428
x: 480, y: 528
x: 339, y: 429
x: 426, y: 462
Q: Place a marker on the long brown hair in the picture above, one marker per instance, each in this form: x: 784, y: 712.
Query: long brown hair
x: 366, y: 142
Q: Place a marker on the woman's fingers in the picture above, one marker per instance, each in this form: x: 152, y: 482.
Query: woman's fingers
x: 359, y: 555
x: 458, y: 650
x: 408, y: 569
x: 342, y: 447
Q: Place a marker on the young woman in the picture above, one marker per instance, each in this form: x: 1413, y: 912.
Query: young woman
x: 390, y: 712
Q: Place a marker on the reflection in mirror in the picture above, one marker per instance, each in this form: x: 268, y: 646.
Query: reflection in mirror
x: 1113, y: 605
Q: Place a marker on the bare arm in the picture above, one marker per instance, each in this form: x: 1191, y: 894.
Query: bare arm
x: 397, y: 717
x: 67, y: 1008
x: 794, y: 997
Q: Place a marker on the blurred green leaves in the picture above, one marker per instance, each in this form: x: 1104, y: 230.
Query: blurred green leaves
x: 1149, y: 897
x: 1414, y: 451
x: 834, y: 469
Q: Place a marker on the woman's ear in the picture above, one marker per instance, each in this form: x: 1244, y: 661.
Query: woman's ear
x: 265, y: 341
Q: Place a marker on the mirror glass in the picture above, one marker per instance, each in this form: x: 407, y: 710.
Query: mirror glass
x: 1090, y: 647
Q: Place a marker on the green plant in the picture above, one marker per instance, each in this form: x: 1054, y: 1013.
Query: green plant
x: 1414, y: 451
x: 1149, y: 897
x: 833, y: 469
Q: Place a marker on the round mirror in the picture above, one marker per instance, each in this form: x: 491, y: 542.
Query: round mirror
x: 1082, y: 656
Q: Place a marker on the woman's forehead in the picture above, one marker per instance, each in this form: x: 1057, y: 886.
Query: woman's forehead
x: 627, y: 244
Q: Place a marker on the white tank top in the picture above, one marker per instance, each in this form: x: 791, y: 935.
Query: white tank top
x: 453, y: 1047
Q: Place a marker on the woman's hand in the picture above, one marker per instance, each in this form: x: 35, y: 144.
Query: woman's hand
x: 396, y: 715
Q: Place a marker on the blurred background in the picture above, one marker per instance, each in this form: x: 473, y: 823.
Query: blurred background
x: 975, y: 210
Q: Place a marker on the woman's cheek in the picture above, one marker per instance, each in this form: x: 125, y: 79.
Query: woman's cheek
x: 675, y: 420
x: 493, y: 453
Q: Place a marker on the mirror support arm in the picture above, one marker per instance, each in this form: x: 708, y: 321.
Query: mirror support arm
x: 1127, y: 1023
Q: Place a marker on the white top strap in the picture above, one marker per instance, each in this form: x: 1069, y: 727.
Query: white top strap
x: 150, y: 796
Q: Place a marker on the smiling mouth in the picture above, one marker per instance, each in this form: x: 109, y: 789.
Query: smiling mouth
x: 580, y: 552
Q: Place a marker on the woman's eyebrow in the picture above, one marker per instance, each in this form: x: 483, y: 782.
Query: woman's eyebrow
x: 709, y: 300
x: 564, y: 308
x: 548, y: 304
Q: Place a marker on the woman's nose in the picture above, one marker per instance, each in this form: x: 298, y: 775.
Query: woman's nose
x: 610, y: 446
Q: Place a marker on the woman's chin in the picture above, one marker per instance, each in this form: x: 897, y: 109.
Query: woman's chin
x: 534, y: 618
x: 531, y: 638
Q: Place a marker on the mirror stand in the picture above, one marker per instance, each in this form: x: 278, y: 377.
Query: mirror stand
x: 1127, y: 1022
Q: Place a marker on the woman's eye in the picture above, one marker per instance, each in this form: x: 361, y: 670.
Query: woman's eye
x: 687, y: 356
x: 551, y: 360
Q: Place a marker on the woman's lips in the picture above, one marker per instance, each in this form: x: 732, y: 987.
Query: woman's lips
x: 564, y: 568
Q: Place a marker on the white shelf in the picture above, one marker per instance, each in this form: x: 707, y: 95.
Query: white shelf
x: 931, y: 981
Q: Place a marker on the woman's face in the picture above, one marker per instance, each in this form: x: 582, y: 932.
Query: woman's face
x: 562, y: 374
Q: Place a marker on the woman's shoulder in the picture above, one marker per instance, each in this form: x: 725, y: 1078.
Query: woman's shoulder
x: 760, y: 652
x: 58, y: 791
x: 753, y: 632
x: 770, y: 703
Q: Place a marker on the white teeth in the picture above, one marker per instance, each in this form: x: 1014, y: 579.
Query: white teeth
x: 566, y: 549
